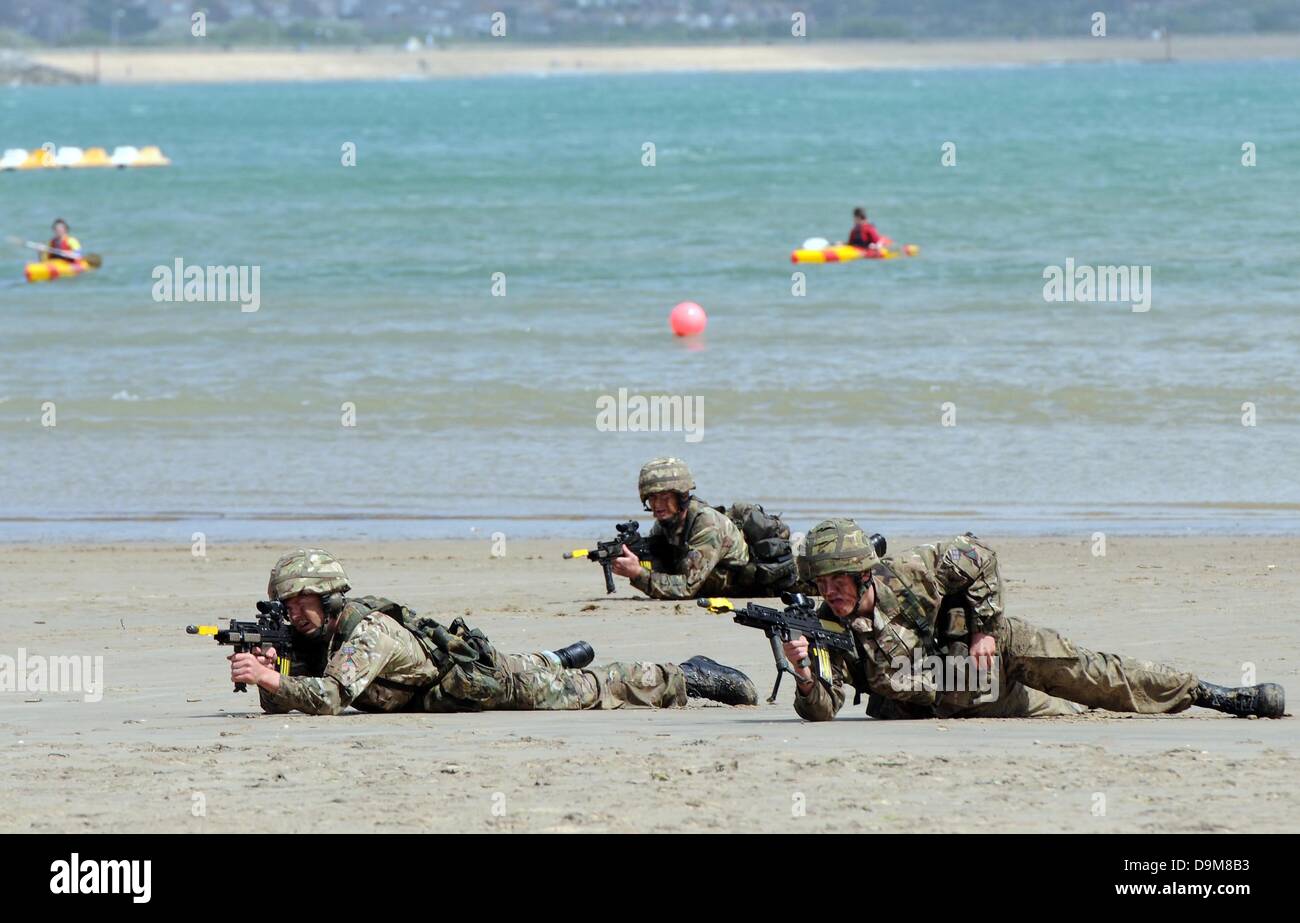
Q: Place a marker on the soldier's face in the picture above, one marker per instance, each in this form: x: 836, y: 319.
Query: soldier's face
x: 305, y: 612
x: 840, y: 592
x: 664, y: 506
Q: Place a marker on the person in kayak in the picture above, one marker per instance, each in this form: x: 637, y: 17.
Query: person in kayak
x: 864, y: 233
x: 62, y: 241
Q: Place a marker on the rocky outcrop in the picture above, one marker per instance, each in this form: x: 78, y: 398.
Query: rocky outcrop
x: 19, y: 70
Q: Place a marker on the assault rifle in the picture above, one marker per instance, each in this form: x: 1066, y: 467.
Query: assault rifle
x: 798, y: 617
x: 629, y: 533
x: 272, y: 629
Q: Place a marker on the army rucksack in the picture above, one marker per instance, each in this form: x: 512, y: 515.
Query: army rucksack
x: 768, y: 538
x: 468, y: 674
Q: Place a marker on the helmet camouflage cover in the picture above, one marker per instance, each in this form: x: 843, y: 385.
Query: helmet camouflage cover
x: 661, y: 474
x: 838, y: 546
x: 307, y: 570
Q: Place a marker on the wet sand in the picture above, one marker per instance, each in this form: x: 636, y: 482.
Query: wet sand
x: 171, y: 748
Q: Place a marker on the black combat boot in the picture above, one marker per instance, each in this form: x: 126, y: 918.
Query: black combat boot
x: 574, y: 657
x: 1266, y: 700
x: 708, y: 679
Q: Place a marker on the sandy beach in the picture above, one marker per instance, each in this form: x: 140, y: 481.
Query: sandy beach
x: 210, y: 64
x: 171, y: 748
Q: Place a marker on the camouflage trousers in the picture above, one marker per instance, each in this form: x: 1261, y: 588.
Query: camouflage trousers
x: 1016, y: 701
x: 531, y: 682
x: 742, y: 584
x: 1042, y: 674
x: 724, y: 582
x: 1053, y: 666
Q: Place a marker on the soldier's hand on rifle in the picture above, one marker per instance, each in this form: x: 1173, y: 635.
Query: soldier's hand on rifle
x: 984, y: 648
x: 252, y: 668
x: 796, y: 650
x: 266, y: 655
x: 627, y: 564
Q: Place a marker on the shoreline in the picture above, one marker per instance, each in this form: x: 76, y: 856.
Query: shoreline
x: 604, y: 529
x: 1187, y: 519
x: 249, y: 65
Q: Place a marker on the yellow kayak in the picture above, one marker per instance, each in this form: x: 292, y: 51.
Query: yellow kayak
x: 844, y: 253
x: 50, y: 270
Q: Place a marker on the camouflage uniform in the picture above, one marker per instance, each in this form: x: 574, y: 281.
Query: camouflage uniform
x: 930, y: 599
x: 705, y: 555
x: 378, y: 665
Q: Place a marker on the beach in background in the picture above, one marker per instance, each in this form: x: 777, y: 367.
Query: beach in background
x: 201, y: 64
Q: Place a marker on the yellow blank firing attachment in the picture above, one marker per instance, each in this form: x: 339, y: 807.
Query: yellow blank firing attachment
x: 201, y: 629
x: 576, y: 553
x: 716, y: 604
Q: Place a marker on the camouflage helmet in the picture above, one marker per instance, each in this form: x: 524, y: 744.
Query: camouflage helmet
x: 838, y: 546
x: 307, y: 570
x: 661, y: 474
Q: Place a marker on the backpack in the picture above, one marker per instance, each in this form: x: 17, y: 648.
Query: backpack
x: 768, y: 539
x: 469, y: 677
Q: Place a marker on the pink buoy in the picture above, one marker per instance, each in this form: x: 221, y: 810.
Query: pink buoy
x: 688, y: 319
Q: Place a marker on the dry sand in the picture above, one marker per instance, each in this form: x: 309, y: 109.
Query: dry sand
x: 169, y: 730
x: 207, y: 63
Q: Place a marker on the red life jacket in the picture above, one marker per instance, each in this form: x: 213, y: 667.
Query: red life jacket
x: 69, y: 243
